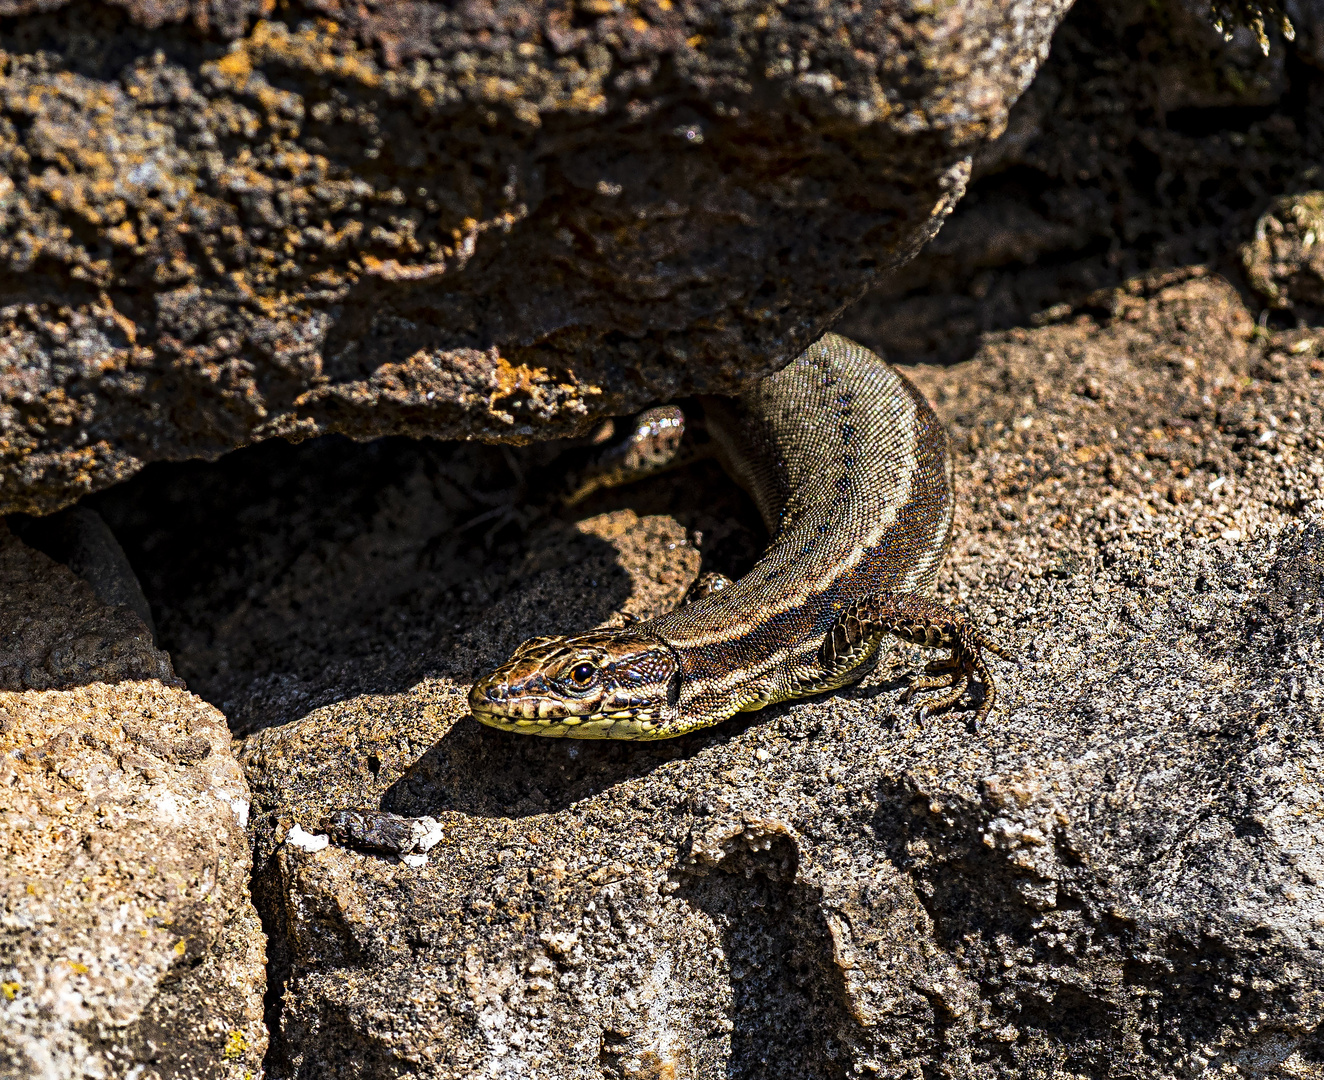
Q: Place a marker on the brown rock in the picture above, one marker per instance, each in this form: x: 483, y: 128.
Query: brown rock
x: 55, y: 632
x: 1285, y: 261
x: 1116, y: 870
x: 494, y: 220
x: 1146, y: 142
x: 1119, y: 873
x: 128, y: 943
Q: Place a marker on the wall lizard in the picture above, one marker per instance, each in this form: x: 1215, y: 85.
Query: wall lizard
x: 852, y: 472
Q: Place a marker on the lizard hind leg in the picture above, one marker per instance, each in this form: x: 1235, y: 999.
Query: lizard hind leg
x: 922, y: 621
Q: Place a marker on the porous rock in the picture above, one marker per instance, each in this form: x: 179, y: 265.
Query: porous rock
x: 500, y: 220
x: 55, y: 632
x: 1146, y: 142
x: 129, y: 945
x: 1119, y: 871
x: 1285, y: 261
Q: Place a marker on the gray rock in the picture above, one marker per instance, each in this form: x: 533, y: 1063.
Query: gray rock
x: 129, y: 945
x: 1285, y: 261
x: 79, y: 539
x: 1119, y: 871
x: 494, y: 220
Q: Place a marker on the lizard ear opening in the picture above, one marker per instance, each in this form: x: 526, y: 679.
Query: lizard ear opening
x: 673, y: 688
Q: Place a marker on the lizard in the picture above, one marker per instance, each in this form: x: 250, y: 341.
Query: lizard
x: 853, y: 475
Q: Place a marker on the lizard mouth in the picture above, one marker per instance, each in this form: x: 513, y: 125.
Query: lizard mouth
x: 529, y: 715
x: 593, y: 726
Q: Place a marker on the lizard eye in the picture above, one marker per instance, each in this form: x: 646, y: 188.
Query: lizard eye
x: 582, y: 676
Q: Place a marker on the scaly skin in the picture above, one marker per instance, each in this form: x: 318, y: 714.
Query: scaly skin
x: 852, y: 473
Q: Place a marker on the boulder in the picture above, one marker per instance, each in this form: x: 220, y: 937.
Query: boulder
x: 1120, y: 869
x: 492, y: 220
x: 129, y: 945
x: 1146, y: 142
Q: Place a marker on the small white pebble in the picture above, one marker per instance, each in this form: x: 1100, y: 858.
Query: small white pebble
x: 307, y: 841
x: 428, y: 835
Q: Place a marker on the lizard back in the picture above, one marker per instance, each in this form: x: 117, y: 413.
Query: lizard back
x: 852, y: 472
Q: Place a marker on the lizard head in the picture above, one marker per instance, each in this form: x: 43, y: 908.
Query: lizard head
x: 604, y: 684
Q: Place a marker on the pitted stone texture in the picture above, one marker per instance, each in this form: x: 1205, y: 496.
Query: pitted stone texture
x: 54, y: 632
x: 1285, y: 261
x: 129, y: 945
x: 1146, y: 142
x: 495, y: 220
x: 1118, y: 871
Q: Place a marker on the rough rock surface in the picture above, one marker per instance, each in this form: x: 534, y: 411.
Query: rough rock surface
x: 1121, y: 872
x: 1285, y: 261
x: 56, y: 633
x: 1145, y: 143
x: 129, y: 945
x: 490, y: 220
x: 80, y: 540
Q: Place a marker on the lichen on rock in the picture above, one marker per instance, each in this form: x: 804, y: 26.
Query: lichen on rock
x: 496, y: 220
x: 1285, y: 261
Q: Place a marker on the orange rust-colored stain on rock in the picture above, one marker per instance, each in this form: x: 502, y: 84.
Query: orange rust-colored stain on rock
x: 514, y: 379
x: 653, y: 1066
x: 321, y: 48
x: 236, y: 65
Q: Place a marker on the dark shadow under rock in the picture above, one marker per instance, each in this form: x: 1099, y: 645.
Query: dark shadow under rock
x: 284, y: 578
x: 56, y: 633
x: 1146, y: 143
x: 475, y: 770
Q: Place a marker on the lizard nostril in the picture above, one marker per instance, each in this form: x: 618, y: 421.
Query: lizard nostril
x: 492, y: 693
